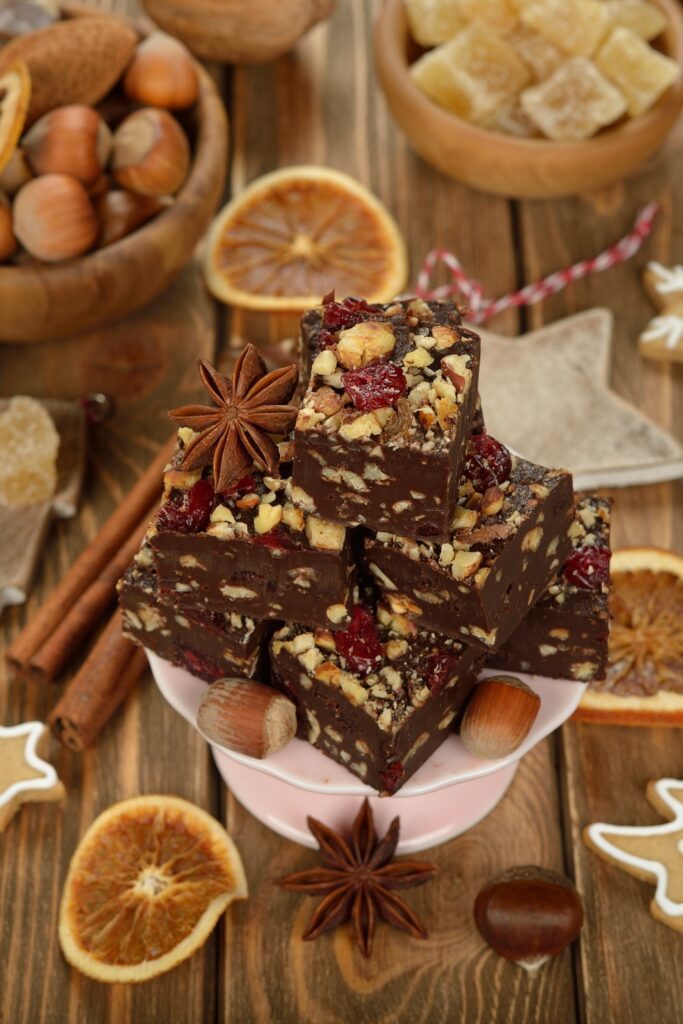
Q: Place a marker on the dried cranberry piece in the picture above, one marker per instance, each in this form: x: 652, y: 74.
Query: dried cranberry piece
x: 588, y: 567
x: 359, y: 644
x: 346, y: 313
x: 243, y: 486
x: 199, y: 665
x: 375, y: 386
x: 191, y: 513
x: 326, y: 339
x: 276, y: 539
x: 487, y: 462
x: 439, y: 667
x: 391, y: 778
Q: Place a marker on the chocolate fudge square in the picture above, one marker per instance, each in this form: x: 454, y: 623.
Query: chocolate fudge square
x: 210, y: 645
x: 510, y: 535
x: 249, y: 550
x: 379, y: 697
x: 381, y: 434
x: 566, y: 633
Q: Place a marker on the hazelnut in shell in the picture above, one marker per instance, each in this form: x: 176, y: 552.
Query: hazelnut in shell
x: 151, y: 154
x: 54, y: 219
x: 528, y: 914
x: 247, y: 717
x: 15, y: 173
x: 120, y: 213
x: 8, y: 243
x: 162, y: 74
x: 498, y: 717
x: 71, y: 140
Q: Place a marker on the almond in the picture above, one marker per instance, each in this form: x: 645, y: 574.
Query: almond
x: 246, y: 716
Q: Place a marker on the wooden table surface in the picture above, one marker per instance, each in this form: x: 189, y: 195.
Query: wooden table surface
x: 322, y: 104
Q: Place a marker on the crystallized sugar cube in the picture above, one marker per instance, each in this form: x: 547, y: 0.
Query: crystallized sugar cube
x: 537, y: 52
x: 640, y: 72
x: 575, y: 102
x: 500, y: 15
x: 434, y: 21
x: 473, y: 74
x: 576, y: 26
x: 646, y: 20
x: 28, y: 468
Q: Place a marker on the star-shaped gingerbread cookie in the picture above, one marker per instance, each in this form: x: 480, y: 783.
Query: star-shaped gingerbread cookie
x: 650, y: 852
x: 663, y: 336
x: 570, y: 416
x: 24, y: 775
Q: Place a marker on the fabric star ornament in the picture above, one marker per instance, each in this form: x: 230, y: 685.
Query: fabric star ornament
x: 650, y: 852
x: 663, y: 337
x: 570, y: 416
x: 234, y: 432
x: 24, y: 775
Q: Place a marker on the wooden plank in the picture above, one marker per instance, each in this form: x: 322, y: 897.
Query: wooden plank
x: 625, y: 957
x: 312, y: 106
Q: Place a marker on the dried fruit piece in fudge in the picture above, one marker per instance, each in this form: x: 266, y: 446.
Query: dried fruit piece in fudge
x: 641, y: 73
x: 575, y: 26
x: 565, y: 635
x: 188, y: 511
x: 575, y: 102
x: 209, y: 644
x: 381, y: 433
x: 645, y: 19
x: 510, y: 534
x: 30, y: 442
x: 433, y: 21
x: 257, y: 554
x: 383, y: 715
x: 472, y: 75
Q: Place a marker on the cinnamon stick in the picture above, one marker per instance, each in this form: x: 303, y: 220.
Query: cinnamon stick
x: 102, y: 683
x: 77, y: 625
x: 90, y: 563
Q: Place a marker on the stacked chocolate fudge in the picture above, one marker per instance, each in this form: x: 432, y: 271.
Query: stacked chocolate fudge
x: 391, y: 549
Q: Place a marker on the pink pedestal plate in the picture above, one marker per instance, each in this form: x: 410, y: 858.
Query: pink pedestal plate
x: 449, y: 794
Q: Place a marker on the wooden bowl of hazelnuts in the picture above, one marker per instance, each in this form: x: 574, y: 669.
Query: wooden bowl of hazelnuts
x: 118, y: 160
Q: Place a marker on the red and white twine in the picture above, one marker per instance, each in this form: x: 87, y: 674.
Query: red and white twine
x: 481, y: 309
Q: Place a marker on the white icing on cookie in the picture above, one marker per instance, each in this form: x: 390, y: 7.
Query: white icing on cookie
x: 48, y: 778
x: 670, y: 279
x: 596, y: 832
x: 667, y: 328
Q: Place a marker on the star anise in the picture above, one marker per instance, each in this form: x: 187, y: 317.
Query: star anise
x: 235, y: 430
x: 358, y: 882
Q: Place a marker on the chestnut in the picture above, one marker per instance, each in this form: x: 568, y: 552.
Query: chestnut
x: 71, y: 140
x: 498, y: 716
x: 54, y: 219
x: 121, y: 213
x: 151, y: 154
x: 162, y: 74
x: 528, y: 914
x: 8, y: 242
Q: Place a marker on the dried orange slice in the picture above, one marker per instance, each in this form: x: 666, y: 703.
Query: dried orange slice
x: 644, y: 680
x: 145, y: 887
x: 294, y: 235
x: 15, y: 95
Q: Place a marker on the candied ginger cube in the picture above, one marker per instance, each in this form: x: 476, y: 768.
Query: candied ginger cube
x: 473, y: 74
x: 646, y: 20
x: 575, y: 26
x: 500, y: 15
x: 30, y: 442
x: 512, y: 120
x: 641, y: 73
x: 433, y: 21
x: 574, y: 103
x: 537, y: 52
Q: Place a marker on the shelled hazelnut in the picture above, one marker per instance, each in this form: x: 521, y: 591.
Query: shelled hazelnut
x: 151, y: 154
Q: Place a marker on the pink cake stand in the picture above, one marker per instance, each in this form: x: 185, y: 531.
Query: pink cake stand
x: 449, y: 794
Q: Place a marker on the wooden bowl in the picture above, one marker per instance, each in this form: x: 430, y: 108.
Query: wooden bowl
x: 505, y: 164
x: 43, y: 302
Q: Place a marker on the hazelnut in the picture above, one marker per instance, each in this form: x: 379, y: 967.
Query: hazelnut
x: 322, y: 533
x: 15, y: 173
x: 54, y: 219
x: 528, y: 914
x: 71, y: 140
x: 162, y: 74
x: 8, y: 243
x: 151, y: 154
x: 267, y: 517
x: 247, y: 717
x: 120, y: 213
x: 498, y: 717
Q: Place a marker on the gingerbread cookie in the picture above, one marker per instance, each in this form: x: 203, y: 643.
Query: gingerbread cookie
x: 651, y: 852
x: 24, y: 776
x: 663, y: 336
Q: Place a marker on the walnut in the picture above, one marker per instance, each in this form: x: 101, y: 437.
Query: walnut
x: 360, y: 344
x: 326, y: 401
x: 445, y: 337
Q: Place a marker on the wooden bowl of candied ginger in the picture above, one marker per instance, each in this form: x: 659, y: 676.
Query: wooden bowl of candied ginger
x: 507, y: 164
